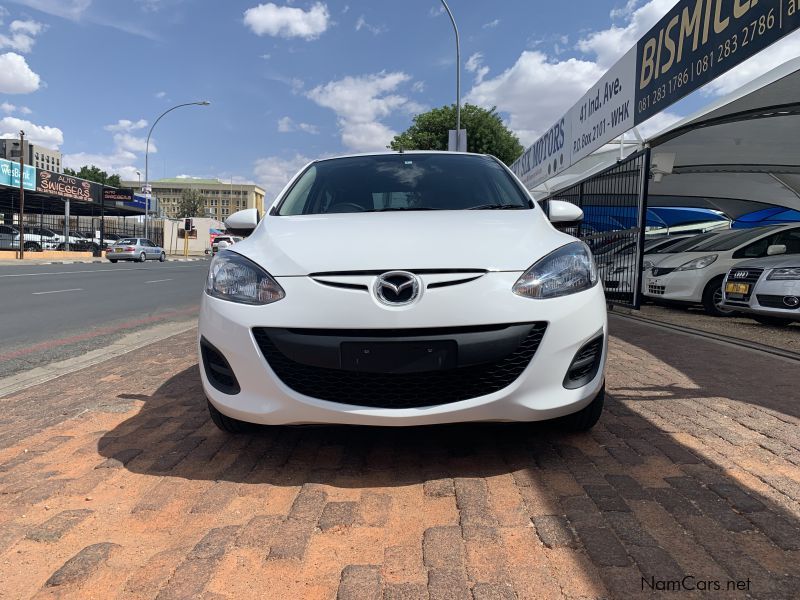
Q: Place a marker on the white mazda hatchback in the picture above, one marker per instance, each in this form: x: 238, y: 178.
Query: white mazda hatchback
x: 407, y: 288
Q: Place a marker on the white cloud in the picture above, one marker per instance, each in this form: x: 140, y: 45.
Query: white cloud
x: 535, y: 91
x: 22, y: 35
x: 437, y: 10
x: 766, y: 60
x: 161, y: 95
x: 113, y: 164
x: 610, y: 44
x: 287, y: 125
x: 126, y: 125
x: 274, y: 173
x: 126, y: 142
x: 51, y: 137
x: 657, y: 123
x: 16, y: 76
x: 9, y: 108
x: 68, y: 9
x: 288, y: 22
x: 418, y: 87
x: 3, y: 13
x: 360, y: 103
x: 491, y: 24
x: 475, y: 65
x: 361, y: 23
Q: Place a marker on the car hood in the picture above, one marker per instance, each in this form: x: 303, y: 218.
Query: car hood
x: 772, y: 262
x: 676, y: 260
x: 500, y: 240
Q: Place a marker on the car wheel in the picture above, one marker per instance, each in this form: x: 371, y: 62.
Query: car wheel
x: 162, y: 258
x: 113, y: 260
x: 712, y: 299
x: 32, y: 247
x: 226, y: 423
x: 772, y: 321
x: 587, y: 417
x: 142, y: 257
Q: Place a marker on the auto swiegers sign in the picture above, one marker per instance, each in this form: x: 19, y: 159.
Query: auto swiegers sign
x: 699, y: 40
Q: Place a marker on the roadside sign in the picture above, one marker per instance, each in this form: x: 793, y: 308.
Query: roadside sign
x: 9, y: 175
x: 462, y: 141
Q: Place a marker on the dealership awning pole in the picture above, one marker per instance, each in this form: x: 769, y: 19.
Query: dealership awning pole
x: 21, y: 194
x: 102, y: 214
x: 66, y: 224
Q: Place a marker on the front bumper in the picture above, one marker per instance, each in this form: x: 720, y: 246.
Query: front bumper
x: 678, y: 286
x: 769, y: 298
x: 538, y: 393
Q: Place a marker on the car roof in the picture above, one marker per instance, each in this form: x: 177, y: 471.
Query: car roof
x: 396, y: 153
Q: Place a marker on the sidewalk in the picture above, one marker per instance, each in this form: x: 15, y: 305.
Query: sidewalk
x: 33, y: 261
x: 122, y: 488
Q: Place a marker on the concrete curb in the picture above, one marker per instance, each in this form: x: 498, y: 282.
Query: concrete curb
x: 23, y: 263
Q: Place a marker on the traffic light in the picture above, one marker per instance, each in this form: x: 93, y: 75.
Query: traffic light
x: 187, y: 224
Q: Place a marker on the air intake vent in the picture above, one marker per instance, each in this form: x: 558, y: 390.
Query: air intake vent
x: 218, y: 371
x: 585, y: 365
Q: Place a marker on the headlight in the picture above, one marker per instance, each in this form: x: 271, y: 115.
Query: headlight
x: 785, y: 274
x: 234, y: 278
x: 698, y: 263
x: 568, y: 270
x: 647, y: 265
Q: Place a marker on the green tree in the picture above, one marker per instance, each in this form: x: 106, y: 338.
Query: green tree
x: 191, y: 204
x: 92, y: 173
x: 486, y: 132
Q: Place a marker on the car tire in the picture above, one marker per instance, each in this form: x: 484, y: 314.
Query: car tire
x: 772, y: 321
x: 587, y: 417
x: 113, y: 260
x: 32, y: 247
x: 142, y: 257
x: 712, y: 296
x: 228, y: 424
x: 162, y: 258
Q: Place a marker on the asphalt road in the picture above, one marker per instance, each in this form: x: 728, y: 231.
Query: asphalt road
x: 54, y: 312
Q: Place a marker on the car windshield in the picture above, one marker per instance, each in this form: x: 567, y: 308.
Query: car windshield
x: 128, y: 241
x: 733, y: 239
x: 403, y: 182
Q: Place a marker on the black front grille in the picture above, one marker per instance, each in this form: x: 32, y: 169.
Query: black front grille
x: 401, y: 390
x: 659, y: 271
x: 585, y: 365
x: 744, y: 275
x: 770, y: 301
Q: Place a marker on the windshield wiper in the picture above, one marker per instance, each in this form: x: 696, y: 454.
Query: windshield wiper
x: 498, y: 207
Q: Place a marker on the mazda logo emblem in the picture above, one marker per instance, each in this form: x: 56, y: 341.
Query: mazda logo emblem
x: 396, y: 288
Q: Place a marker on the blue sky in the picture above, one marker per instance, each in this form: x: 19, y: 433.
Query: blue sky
x: 295, y: 80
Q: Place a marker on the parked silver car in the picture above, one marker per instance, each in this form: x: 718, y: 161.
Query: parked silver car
x: 138, y: 249
x: 766, y: 288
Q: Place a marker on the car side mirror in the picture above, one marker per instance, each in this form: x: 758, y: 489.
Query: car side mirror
x: 776, y: 250
x: 564, y: 213
x: 242, y: 222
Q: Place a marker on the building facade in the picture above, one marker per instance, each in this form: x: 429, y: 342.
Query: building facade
x: 35, y: 155
x: 220, y: 199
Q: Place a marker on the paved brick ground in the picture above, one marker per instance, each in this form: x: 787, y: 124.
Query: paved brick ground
x: 114, y: 484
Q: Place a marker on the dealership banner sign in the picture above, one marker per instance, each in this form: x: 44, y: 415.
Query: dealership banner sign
x: 699, y: 40
x: 694, y: 43
x: 66, y: 186
x: 9, y: 175
x: 115, y: 195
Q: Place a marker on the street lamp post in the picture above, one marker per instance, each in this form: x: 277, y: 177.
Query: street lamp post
x: 458, y: 76
x: 147, y: 157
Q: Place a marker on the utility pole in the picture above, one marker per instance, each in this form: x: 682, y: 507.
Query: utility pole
x: 458, y: 76
x: 21, y: 194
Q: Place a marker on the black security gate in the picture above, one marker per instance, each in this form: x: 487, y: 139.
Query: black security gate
x: 614, y: 204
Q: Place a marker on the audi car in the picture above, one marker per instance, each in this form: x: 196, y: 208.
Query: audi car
x: 396, y: 289
x: 768, y: 289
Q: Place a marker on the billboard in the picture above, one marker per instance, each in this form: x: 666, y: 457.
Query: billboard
x: 116, y: 195
x: 67, y: 186
x: 9, y: 175
x: 694, y: 43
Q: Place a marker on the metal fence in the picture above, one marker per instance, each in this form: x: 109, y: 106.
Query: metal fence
x: 45, y: 230
x: 614, y: 203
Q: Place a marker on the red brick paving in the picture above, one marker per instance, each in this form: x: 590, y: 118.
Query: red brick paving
x: 114, y: 484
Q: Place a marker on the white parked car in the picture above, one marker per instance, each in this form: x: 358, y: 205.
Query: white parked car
x: 768, y: 289
x: 222, y: 242
x: 617, y: 268
x: 403, y: 289
x: 696, y: 276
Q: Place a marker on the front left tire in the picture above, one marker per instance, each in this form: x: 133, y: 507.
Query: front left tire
x: 142, y: 257
x: 587, y: 417
x: 227, y: 424
x: 712, y: 299
x: 162, y: 258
